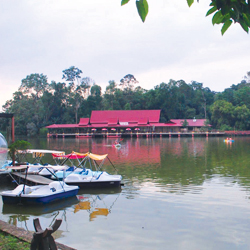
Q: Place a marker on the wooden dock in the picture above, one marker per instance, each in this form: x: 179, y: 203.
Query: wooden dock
x: 33, y: 178
x: 135, y: 134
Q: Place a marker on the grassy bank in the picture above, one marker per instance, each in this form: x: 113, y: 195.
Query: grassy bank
x: 9, y: 242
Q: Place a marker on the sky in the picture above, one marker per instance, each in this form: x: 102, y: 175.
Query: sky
x: 108, y: 41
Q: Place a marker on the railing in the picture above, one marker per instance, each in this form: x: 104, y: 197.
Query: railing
x: 247, y: 132
x: 134, y: 134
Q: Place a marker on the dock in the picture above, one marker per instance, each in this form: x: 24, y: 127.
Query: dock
x: 135, y: 134
x: 33, y: 178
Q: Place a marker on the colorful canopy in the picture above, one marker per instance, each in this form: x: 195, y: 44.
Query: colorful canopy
x: 38, y: 153
x: 93, y: 156
x: 71, y: 156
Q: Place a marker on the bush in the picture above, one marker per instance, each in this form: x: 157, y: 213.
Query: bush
x: 31, y: 129
x: 43, y: 132
x: 225, y: 127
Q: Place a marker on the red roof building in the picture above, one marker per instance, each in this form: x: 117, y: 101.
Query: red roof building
x: 120, y: 120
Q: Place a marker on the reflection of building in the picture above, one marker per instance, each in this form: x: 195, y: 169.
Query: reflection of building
x: 126, y: 121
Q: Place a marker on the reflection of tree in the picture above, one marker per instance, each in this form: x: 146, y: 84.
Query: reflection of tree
x: 13, y: 219
x: 183, y: 165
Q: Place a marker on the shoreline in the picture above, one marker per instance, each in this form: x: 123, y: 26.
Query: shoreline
x: 24, y: 235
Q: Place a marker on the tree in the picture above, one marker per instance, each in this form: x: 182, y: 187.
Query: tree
x: 128, y: 81
x: 242, y: 117
x: 223, y: 114
x: 184, y: 123
x: 127, y: 106
x: 71, y: 74
x: 225, y: 12
x: 34, y: 84
x: 241, y: 96
x: 76, y: 92
x: 85, y: 85
x: 247, y: 77
x: 15, y: 146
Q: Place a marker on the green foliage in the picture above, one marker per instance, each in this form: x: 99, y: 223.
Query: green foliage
x: 128, y: 81
x: 190, y: 2
x: 142, y: 8
x: 127, y: 106
x: 225, y: 127
x: 226, y: 115
x: 17, y: 145
x: 71, y: 74
x: 9, y: 242
x: 185, y: 123
x: 124, y: 2
x: 225, y: 12
x: 31, y: 129
x: 43, y: 132
x: 59, y: 103
x: 34, y: 83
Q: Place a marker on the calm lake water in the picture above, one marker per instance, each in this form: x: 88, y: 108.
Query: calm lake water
x: 178, y: 193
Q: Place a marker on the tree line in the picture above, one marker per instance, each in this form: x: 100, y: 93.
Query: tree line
x: 38, y: 103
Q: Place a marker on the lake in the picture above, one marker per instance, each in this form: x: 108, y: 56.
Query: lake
x: 178, y: 193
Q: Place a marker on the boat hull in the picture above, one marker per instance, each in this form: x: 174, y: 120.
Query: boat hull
x: 96, y: 184
x: 7, y: 199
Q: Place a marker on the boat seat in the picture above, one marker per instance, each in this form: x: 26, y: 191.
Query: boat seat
x: 27, y: 190
x: 84, y: 172
x: 54, y: 185
x: 71, y: 169
x: 19, y: 189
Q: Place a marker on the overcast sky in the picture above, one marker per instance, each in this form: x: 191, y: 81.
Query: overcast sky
x: 107, y: 42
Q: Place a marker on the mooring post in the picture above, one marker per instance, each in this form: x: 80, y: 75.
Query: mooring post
x: 42, y: 239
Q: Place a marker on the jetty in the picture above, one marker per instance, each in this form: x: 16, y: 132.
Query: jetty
x: 135, y: 134
x: 32, y: 178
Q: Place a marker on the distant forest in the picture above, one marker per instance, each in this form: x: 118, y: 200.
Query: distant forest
x: 38, y: 103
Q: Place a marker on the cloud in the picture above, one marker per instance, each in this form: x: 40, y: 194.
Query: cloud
x: 107, y: 41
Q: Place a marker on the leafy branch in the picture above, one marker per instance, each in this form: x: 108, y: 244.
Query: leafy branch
x: 225, y: 12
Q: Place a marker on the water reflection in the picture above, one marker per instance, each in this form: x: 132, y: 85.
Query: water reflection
x: 181, y: 163
x: 195, y: 189
x: 38, y: 210
x: 97, y: 204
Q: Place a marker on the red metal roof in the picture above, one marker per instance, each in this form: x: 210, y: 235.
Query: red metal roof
x: 143, y: 121
x: 63, y: 126
x: 128, y: 118
x: 124, y: 116
x: 84, y: 121
x: 112, y: 121
x: 191, y: 122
